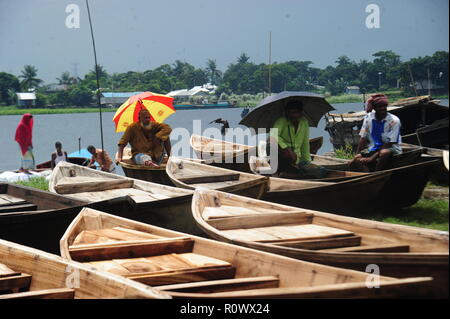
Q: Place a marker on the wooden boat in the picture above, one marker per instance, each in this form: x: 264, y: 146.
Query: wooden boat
x: 260, y: 166
x: 233, y: 155
x: 27, y: 273
x: 398, y: 251
x: 153, y: 203
x: 186, y: 266
x: 74, y: 160
x: 187, y: 174
x: 154, y: 174
x: 353, y: 196
x: 25, y: 211
x: 409, y: 156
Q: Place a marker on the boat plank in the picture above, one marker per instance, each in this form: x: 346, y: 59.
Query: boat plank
x: 374, y: 248
x: 223, y: 285
x: 21, y: 281
x: 326, y: 243
x: 5, y: 271
x: 94, y: 185
x: 55, y: 293
x: 18, y: 208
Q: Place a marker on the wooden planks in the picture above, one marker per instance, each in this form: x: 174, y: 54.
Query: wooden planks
x: 261, y: 220
x: 130, y: 249
x: 18, y: 208
x: 210, y: 178
x: 6, y: 200
x: 21, y: 281
x: 169, y: 268
x: 223, y: 285
x: 5, y: 271
x: 282, y: 233
x: 67, y: 187
x: 374, y: 248
x: 56, y: 293
x: 327, y: 243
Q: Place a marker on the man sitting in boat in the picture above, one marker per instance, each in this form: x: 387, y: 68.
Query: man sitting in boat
x: 294, y: 158
x: 58, y: 156
x: 380, y: 134
x: 101, y: 157
x: 148, y: 141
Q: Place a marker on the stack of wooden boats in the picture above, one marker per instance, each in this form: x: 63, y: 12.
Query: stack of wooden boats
x: 188, y: 174
x: 27, y: 273
x: 396, y: 250
x: 153, y: 203
x: 186, y: 266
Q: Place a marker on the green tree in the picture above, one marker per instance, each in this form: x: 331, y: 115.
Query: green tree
x: 8, y: 82
x: 29, y: 76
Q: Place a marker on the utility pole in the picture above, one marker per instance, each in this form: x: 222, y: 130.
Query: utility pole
x: 270, y: 62
x: 429, y: 84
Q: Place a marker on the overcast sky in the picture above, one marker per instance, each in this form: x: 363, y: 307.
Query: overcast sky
x: 139, y: 35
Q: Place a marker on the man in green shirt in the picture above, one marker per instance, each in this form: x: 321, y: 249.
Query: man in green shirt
x: 293, y: 143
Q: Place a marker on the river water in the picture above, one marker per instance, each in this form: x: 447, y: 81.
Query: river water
x: 68, y: 128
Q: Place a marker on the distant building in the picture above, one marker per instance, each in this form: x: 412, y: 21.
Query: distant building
x: 116, y: 98
x: 26, y: 99
x: 352, y: 90
x: 54, y: 87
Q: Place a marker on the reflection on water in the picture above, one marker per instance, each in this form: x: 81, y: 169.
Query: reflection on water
x: 68, y: 128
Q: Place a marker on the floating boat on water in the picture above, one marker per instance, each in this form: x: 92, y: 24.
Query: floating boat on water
x: 190, y: 106
x: 27, y: 273
x: 398, y: 251
x: 186, y: 266
x: 187, y: 174
x: 153, y: 203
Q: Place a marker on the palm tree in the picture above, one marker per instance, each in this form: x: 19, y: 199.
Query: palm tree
x: 243, y: 58
x: 28, y: 75
x: 214, y: 73
x: 66, y: 79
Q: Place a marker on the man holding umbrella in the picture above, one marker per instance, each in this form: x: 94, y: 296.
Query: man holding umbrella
x: 292, y: 138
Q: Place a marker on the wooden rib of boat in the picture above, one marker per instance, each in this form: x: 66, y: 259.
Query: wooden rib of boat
x: 445, y: 159
x: 398, y: 251
x: 233, y: 155
x: 186, y: 266
x: 187, y: 174
x: 27, y: 273
x: 354, y: 196
x: 153, y: 203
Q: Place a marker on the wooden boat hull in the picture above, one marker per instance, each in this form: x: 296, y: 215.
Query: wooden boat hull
x: 49, y: 276
x: 73, y: 160
x: 214, y: 270
x: 353, y: 196
x: 154, y: 203
x: 244, y: 184
x: 149, y: 174
x: 428, y: 251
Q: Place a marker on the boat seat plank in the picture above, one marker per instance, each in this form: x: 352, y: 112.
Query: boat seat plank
x: 261, y: 220
x: 327, y: 243
x: 68, y: 187
x: 210, y: 178
x: 375, y: 248
x: 21, y: 281
x: 223, y: 211
x: 108, y: 194
x: 56, y: 293
x: 185, y: 276
x: 110, y: 235
x: 18, y: 208
x: 223, y: 285
x: 5, y: 271
x: 282, y: 233
x: 130, y: 249
x: 6, y: 199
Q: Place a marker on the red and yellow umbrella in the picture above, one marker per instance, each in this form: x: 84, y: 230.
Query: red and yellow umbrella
x: 160, y: 107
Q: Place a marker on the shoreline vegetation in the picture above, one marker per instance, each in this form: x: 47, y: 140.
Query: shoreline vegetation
x: 242, y: 101
x: 428, y: 212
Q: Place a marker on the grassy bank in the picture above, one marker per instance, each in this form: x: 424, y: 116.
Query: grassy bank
x: 14, y: 110
x: 426, y: 213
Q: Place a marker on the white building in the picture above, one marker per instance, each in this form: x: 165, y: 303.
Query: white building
x: 26, y: 99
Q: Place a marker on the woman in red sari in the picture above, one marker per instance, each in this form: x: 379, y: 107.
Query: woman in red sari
x: 24, y: 136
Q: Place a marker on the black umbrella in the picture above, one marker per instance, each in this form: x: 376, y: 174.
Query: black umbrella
x: 271, y: 108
